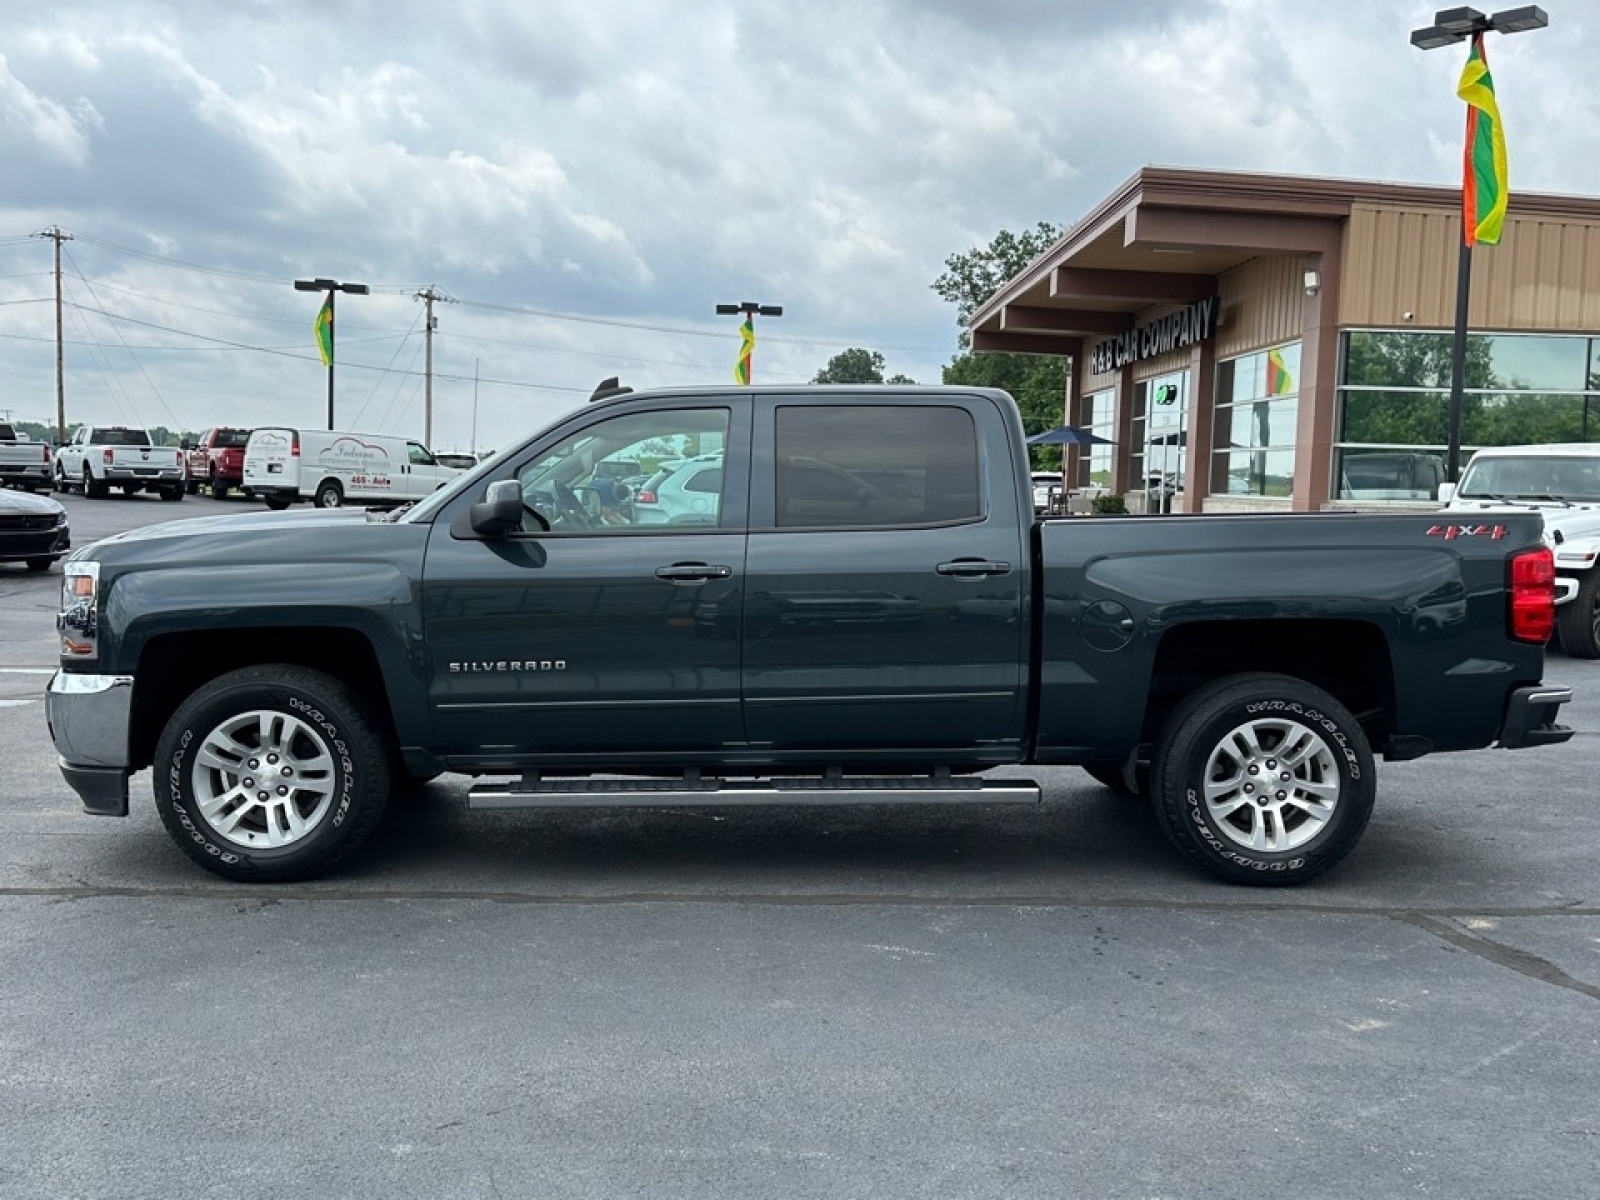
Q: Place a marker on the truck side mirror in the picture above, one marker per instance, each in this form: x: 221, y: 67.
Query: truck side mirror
x: 500, y: 510
x: 1447, y: 492
x: 185, y: 444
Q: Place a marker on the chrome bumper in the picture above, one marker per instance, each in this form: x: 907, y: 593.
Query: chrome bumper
x: 89, y: 716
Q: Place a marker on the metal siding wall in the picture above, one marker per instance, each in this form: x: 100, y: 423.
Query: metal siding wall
x: 1544, y: 276
x: 1261, y: 305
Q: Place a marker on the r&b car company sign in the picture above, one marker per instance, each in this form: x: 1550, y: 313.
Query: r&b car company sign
x: 1188, y: 325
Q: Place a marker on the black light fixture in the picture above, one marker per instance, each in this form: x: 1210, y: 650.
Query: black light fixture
x: 1452, y: 25
x: 330, y: 286
x: 743, y: 369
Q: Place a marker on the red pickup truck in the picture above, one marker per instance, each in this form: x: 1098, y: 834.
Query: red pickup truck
x: 216, y: 460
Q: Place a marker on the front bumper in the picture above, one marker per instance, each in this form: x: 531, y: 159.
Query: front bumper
x: 16, y: 545
x: 89, y: 716
x: 1531, y: 717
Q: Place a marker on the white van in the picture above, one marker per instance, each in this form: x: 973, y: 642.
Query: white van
x: 333, y: 467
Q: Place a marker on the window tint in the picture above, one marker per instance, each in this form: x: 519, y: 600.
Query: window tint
x: 863, y: 466
x: 418, y: 455
x: 578, y: 488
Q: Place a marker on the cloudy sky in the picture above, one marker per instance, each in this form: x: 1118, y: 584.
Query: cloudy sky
x: 587, y: 180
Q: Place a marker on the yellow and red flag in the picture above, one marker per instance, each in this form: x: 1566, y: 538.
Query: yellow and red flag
x: 1484, y: 186
x: 747, y: 346
x: 322, y: 328
x: 1280, y: 381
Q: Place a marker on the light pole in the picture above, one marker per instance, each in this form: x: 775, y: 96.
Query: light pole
x: 742, y: 368
x: 1450, y: 26
x: 324, y: 322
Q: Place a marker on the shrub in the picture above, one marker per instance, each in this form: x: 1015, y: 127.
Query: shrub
x: 1109, y: 505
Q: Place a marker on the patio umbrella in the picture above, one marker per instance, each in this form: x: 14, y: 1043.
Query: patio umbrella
x: 1068, y: 436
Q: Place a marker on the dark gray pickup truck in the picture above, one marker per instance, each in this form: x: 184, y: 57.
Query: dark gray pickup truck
x: 807, y: 596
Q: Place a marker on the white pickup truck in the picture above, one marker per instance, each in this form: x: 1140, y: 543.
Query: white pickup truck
x: 1561, y: 480
x: 23, y: 463
x: 101, y: 457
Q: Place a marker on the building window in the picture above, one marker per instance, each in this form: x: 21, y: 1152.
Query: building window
x: 1095, y: 462
x: 1394, y: 404
x: 1257, y: 414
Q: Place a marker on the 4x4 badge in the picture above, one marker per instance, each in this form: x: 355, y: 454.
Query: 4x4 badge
x: 1450, y: 532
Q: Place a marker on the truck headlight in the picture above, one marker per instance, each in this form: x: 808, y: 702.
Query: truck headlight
x: 78, y: 622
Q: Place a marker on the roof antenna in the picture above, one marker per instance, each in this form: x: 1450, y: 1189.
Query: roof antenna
x: 608, y: 388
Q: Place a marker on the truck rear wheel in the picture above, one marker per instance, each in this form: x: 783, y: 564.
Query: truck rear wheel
x: 328, y: 494
x: 91, y: 487
x: 276, y: 503
x: 1263, y: 779
x: 1578, y: 620
x: 271, y: 773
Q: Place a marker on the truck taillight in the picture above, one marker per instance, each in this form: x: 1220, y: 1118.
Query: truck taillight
x: 106, y: 455
x: 294, y: 446
x: 44, y: 453
x: 1533, y: 595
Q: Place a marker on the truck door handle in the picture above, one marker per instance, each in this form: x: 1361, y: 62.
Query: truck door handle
x: 692, y: 572
x: 973, y: 568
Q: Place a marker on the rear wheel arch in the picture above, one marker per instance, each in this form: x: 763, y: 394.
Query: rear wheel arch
x: 1349, y: 660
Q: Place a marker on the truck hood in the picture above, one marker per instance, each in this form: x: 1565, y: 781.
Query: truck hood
x: 233, y: 528
x: 1562, y: 521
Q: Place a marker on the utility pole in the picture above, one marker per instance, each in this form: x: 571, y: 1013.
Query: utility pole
x: 428, y: 295
x: 56, y: 234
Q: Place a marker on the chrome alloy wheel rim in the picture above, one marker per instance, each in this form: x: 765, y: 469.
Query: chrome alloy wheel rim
x: 1271, y: 785
x: 264, y: 779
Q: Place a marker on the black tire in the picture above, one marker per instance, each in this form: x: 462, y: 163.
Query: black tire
x: 276, y: 503
x: 40, y: 564
x: 1327, y: 756
x: 328, y: 494
x: 1110, y: 774
x: 61, y: 484
x: 219, y: 490
x: 314, y: 718
x: 1578, y: 620
x: 93, y: 488
x: 191, y: 486
x: 172, y: 494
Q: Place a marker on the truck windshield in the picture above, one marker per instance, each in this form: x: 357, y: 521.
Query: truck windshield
x: 1573, y: 478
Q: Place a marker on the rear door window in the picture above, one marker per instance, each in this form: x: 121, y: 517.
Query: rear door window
x: 866, y: 466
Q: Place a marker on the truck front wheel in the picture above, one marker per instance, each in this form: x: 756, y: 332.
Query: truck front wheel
x: 1578, y: 620
x: 1263, y: 779
x: 271, y: 773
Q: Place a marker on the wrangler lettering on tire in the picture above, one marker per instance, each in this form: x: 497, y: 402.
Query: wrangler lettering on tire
x: 271, y: 773
x: 1263, y: 779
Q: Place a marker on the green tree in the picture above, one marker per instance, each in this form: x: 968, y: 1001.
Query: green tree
x: 856, y: 365
x: 1037, y: 382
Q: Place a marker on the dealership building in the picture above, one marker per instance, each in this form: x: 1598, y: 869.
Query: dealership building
x: 1272, y: 342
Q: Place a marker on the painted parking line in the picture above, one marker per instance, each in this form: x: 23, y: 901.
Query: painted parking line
x: 18, y: 703
x: 27, y: 670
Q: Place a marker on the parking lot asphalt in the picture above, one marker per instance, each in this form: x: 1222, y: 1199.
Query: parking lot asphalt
x: 984, y: 1002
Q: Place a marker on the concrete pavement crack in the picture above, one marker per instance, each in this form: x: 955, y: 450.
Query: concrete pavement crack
x: 1498, y: 953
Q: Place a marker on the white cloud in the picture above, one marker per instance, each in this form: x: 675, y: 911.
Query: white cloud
x: 636, y: 162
